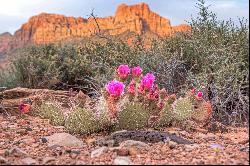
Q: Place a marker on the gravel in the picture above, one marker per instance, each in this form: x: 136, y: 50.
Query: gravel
x: 21, y: 140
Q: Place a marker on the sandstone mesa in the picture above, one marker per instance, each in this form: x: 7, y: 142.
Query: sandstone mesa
x: 48, y: 28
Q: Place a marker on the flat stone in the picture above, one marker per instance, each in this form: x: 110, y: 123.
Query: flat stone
x: 98, y: 152
x: 132, y: 143
x: 65, y: 140
x: 47, y: 160
x: 121, y: 160
x: 29, y: 161
x: 80, y: 162
x: 18, y: 152
x: 3, y: 160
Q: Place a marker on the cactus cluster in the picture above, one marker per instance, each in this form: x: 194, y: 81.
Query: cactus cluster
x: 52, y: 112
x: 134, y: 116
x: 203, y: 112
x: 182, y: 109
x: 137, y: 105
x: 166, y: 116
x: 82, y: 121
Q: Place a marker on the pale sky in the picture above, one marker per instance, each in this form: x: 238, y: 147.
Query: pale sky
x: 13, y: 13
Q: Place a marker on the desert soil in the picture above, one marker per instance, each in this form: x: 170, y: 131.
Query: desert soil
x: 21, y: 142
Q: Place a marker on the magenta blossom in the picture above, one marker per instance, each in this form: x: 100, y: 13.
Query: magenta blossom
x: 200, y: 94
x: 136, y: 71
x: 131, y: 87
x: 115, y: 88
x: 123, y: 71
x: 153, y: 94
x: 147, y: 81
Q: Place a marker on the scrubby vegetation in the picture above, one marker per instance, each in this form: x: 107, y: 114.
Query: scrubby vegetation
x: 213, y: 57
x: 131, y: 101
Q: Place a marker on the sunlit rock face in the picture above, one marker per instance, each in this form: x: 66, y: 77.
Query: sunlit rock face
x: 47, y: 28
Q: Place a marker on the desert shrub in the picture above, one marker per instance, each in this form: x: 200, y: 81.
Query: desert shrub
x: 82, y: 121
x: 10, y: 77
x: 51, y: 112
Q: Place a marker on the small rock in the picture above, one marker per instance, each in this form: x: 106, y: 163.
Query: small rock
x: 47, y: 160
x: 110, y: 143
x: 121, y: 160
x: 132, y: 143
x: 123, y: 152
x: 133, y: 151
x: 75, y: 151
x: 172, y: 144
x: 73, y: 155
x: 65, y: 140
x: 29, y: 161
x: 98, y: 152
x: 80, y: 162
x: 68, y: 150
x: 104, y: 142
x: 22, y: 131
x: 44, y: 140
x: 3, y: 160
x: 18, y: 152
x: 90, y: 141
x: 28, y: 129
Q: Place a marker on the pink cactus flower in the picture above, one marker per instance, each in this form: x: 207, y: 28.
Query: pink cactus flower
x: 147, y: 81
x: 115, y: 88
x: 131, y: 87
x: 153, y: 93
x: 123, y: 71
x: 136, y: 71
x: 24, y: 108
x: 200, y: 94
x: 140, y: 89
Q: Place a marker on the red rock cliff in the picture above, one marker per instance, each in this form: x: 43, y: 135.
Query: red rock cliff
x: 45, y: 28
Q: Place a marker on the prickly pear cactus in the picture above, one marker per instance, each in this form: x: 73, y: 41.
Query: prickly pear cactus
x: 133, y: 116
x: 182, y: 109
x: 203, y: 112
x: 166, y: 116
x: 82, y: 121
x: 53, y: 113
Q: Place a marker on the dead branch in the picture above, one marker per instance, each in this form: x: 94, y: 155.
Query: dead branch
x: 99, y: 33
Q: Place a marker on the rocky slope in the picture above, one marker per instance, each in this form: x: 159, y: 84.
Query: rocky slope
x: 47, y: 28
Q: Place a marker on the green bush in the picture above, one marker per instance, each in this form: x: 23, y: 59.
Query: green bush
x: 82, y: 121
x: 53, y: 113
